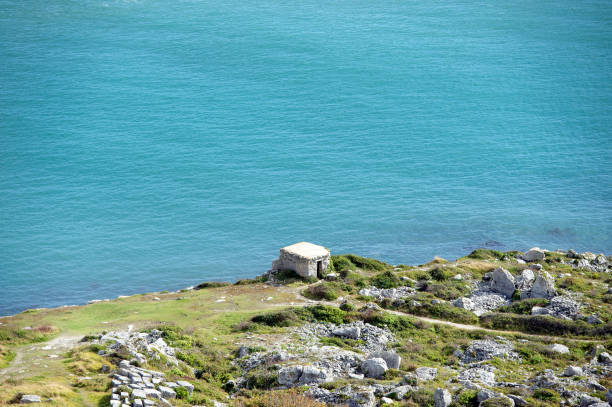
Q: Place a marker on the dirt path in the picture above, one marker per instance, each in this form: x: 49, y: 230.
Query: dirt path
x: 29, y: 358
x: 302, y: 301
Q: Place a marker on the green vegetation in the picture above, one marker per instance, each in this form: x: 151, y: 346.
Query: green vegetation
x: 206, y: 333
x: 386, y: 279
x: 497, y: 402
x: 486, y: 254
x: 321, y: 291
x: 546, y: 395
x: 211, y: 284
x: 468, y: 398
x: 523, y: 307
x: 345, y: 262
x: 543, y: 325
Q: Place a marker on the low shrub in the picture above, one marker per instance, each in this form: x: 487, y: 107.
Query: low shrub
x: 278, y: 319
x: 176, y: 337
x: 539, y: 324
x: 440, y: 274
x: 365, y: 263
x: 468, y: 398
x: 262, y: 380
x: 546, y: 395
x: 347, y: 307
x: 211, y: 284
x: 386, y: 279
x: 324, y: 313
x: 290, y: 398
x: 181, y: 393
x: 340, y: 263
x: 486, y: 254
x: 321, y: 291
x: 523, y: 307
x: 443, y: 310
x: 419, y: 398
x: 247, y: 281
x: 497, y: 402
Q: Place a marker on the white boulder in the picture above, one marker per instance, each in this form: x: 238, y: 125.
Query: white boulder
x: 534, y: 254
x: 502, y: 282
x: 442, y: 398
x: 375, y: 367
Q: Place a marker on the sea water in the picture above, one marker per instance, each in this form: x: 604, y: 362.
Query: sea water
x: 153, y: 144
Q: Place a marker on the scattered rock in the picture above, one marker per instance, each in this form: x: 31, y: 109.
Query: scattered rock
x: 374, y: 368
x: 572, y: 371
x: 391, y: 358
x: 525, y: 281
x: 518, y: 400
x: 442, y: 398
x: 502, y: 282
x: 392, y: 293
x: 351, y: 332
x: 29, y: 399
x: 478, y: 373
x: 300, y: 375
x: 484, y: 394
x: 534, y: 254
x: 605, y: 358
x: 586, y: 400
x: 594, y: 319
x: 167, y: 392
x: 426, y: 373
x: 480, y: 350
x: 558, y: 348
x: 543, y: 286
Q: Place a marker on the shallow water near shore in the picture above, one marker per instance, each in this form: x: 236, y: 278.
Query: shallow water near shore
x: 150, y: 145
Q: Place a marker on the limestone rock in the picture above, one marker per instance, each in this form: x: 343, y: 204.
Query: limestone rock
x: 502, y: 282
x: 311, y: 375
x: 167, y: 392
x: 534, y: 254
x: 543, y: 286
x: 586, y: 400
x: 484, y: 394
x: 375, y: 367
x: 362, y: 399
x: 29, y: 399
x: 518, y: 400
x: 464, y: 302
x: 442, y: 398
x: 593, y: 319
x: 351, y: 332
x: 525, y: 281
x: 572, y: 371
x: 287, y: 376
x: 558, y: 348
x: 400, y: 391
x: 605, y: 358
x: 480, y: 350
x: 391, y: 358
x: 426, y: 373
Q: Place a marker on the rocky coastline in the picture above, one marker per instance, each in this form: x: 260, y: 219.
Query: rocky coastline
x: 491, y: 329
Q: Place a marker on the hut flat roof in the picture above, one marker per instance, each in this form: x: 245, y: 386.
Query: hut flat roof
x: 306, y: 250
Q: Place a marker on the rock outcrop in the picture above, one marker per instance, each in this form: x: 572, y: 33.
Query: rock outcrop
x: 502, y: 282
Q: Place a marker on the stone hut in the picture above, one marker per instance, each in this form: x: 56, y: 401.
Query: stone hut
x: 306, y: 259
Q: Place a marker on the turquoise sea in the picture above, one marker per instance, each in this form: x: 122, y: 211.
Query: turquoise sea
x: 153, y: 144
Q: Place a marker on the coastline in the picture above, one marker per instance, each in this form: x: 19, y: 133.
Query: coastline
x: 251, y: 341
